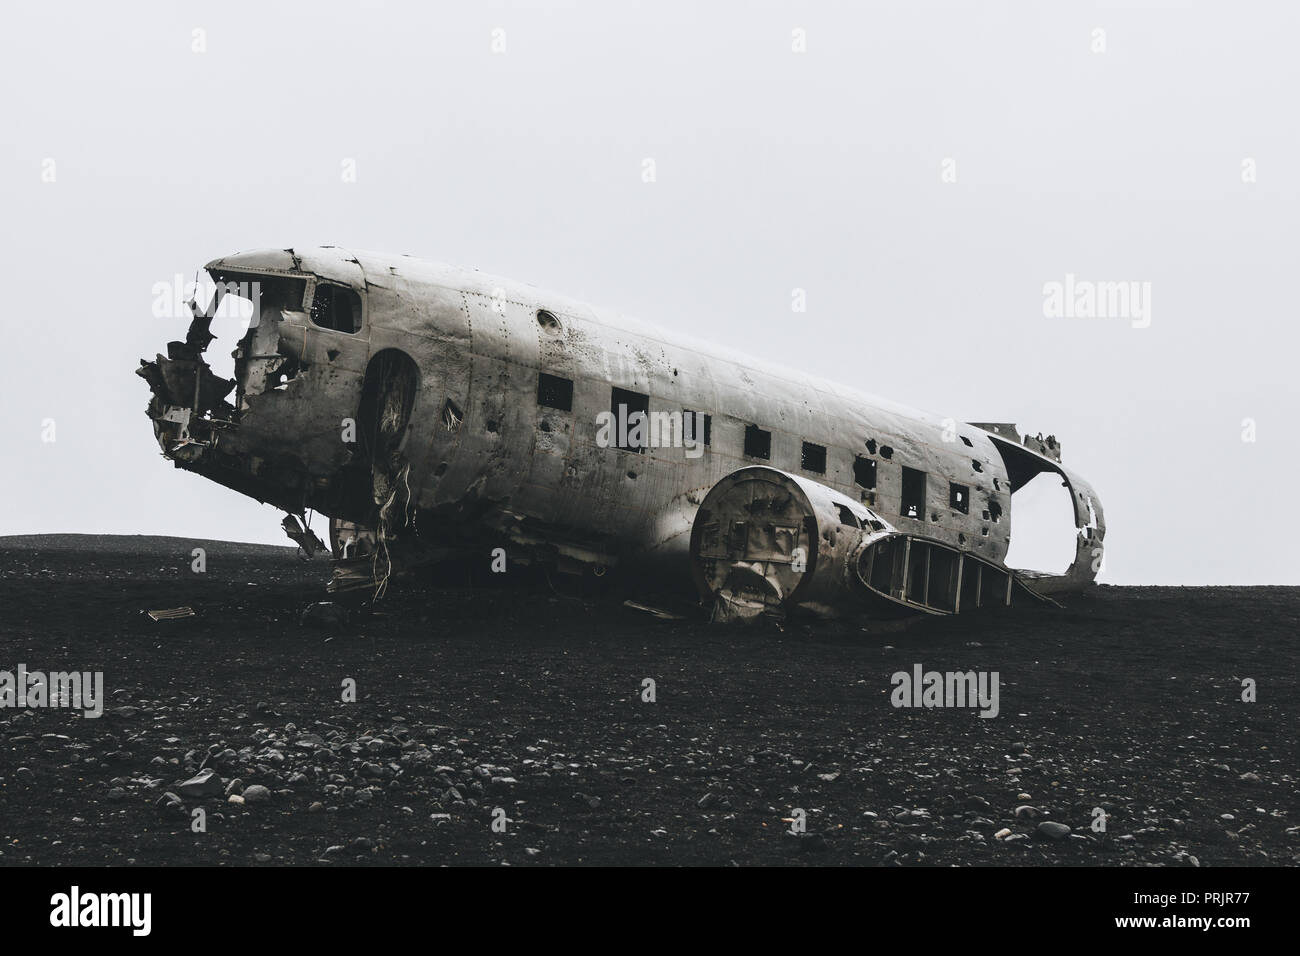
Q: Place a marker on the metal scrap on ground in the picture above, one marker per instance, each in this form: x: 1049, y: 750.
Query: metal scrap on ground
x: 657, y: 612
x: 171, y: 613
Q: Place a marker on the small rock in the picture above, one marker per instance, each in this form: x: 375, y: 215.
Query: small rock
x: 203, y: 784
x: 1053, y: 831
x: 256, y: 794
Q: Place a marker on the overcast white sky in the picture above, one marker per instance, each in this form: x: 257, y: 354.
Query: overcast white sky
x: 775, y: 170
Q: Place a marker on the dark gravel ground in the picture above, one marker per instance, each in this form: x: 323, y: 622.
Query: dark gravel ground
x: 471, y: 700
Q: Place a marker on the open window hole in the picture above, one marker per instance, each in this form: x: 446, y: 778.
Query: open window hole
x: 1044, y: 538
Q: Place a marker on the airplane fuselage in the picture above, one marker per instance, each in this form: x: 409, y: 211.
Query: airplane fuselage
x: 499, y: 430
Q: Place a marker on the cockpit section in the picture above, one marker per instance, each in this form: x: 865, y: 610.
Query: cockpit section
x: 275, y: 429
x: 1029, y: 457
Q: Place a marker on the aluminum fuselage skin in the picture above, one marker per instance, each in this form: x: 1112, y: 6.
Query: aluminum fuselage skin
x: 514, y: 471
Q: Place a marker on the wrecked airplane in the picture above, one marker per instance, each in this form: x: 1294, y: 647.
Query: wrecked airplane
x: 431, y: 411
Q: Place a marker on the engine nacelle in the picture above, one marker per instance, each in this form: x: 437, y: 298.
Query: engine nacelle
x: 766, y: 540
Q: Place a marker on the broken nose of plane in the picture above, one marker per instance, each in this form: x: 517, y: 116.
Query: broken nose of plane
x: 187, y: 395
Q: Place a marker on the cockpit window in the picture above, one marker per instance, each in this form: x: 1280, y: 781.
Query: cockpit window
x: 336, y: 307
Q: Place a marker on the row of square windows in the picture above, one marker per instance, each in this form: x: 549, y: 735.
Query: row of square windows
x: 556, y: 392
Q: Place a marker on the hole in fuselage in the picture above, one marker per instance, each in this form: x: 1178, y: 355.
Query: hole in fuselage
x: 1043, y: 534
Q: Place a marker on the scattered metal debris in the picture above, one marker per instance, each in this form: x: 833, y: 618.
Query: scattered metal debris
x: 171, y: 613
x: 656, y: 611
x: 298, y: 531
